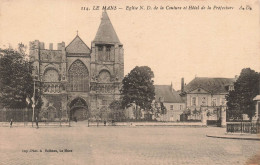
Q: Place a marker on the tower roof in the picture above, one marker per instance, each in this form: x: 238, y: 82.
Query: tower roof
x: 106, y: 32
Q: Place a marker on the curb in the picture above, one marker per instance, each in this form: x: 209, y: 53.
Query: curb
x: 234, y: 137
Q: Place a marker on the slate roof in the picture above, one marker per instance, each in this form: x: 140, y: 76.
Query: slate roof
x: 169, y: 94
x: 106, y: 32
x: 212, y: 85
x: 77, y: 46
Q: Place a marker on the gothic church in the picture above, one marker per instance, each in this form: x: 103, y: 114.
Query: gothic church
x: 78, y: 81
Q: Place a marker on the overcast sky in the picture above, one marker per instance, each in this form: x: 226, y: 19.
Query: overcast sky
x: 174, y: 43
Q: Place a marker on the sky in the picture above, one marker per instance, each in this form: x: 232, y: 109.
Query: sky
x: 173, y: 43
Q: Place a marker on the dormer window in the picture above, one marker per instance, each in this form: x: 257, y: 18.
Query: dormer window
x: 100, y: 48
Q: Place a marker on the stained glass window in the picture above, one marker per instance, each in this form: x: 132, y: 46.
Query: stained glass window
x: 78, y: 77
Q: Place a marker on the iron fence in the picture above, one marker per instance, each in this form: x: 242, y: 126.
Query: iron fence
x: 18, y: 115
x: 243, y: 127
x: 23, y: 117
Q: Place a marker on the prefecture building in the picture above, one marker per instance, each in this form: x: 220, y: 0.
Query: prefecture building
x: 77, y: 80
x: 204, y: 94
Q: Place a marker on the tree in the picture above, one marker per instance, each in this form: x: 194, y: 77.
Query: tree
x: 138, y: 88
x: 117, y: 112
x: 240, y: 100
x: 163, y: 108
x: 16, y: 81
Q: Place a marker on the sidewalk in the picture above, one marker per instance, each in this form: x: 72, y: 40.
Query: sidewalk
x: 85, y: 123
x: 137, y: 124
x: 29, y: 124
x: 240, y: 136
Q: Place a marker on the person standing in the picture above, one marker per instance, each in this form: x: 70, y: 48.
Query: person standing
x: 11, y: 123
x: 37, y: 126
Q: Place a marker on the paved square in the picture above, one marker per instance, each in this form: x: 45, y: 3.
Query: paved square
x: 122, y: 145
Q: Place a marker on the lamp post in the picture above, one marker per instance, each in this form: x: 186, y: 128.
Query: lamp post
x: 33, y: 98
x: 60, y: 115
x: 33, y: 101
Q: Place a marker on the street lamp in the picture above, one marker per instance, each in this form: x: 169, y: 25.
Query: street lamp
x: 33, y: 98
x: 60, y: 115
x: 33, y: 101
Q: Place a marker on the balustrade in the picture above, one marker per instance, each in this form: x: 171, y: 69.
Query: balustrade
x: 52, y: 87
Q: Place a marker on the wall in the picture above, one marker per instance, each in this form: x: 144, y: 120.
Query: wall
x: 172, y: 115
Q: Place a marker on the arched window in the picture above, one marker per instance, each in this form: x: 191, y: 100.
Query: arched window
x: 78, y: 77
x: 51, y: 75
x: 104, y: 76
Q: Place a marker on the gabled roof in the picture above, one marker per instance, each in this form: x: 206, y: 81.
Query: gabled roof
x: 77, y: 46
x: 106, y: 32
x: 169, y: 95
x: 213, y: 85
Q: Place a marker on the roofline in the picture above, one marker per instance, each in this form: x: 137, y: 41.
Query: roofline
x: 197, y: 88
x: 215, y: 77
x: 174, y: 102
x: 106, y: 43
x: 80, y: 39
x: 86, y: 55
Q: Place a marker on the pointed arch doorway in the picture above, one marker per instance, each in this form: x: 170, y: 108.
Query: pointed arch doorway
x: 78, y: 110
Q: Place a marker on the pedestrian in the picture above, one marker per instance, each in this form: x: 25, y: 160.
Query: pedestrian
x: 113, y: 122
x: 105, y: 122
x: 37, y: 126
x: 11, y: 123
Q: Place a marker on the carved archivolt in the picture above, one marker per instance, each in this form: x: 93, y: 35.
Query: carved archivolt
x: 78, y: 102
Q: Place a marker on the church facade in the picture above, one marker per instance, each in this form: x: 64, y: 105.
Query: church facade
x: 78, y: 81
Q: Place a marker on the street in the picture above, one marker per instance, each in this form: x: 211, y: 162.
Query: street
x: 122, y: 145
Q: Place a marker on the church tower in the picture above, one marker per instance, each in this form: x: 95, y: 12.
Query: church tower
x: 107, y: 67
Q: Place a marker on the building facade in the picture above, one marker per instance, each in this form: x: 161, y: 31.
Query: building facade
x: 78, y: 81
x: 165, y: 95
x: 206, y: 94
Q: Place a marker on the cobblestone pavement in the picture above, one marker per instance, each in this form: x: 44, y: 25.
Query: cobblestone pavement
x: 123, y: 145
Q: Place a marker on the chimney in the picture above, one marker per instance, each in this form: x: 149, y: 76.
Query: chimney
x: 171, y: 87
x: 51, y: 46
x: 182, y: 84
